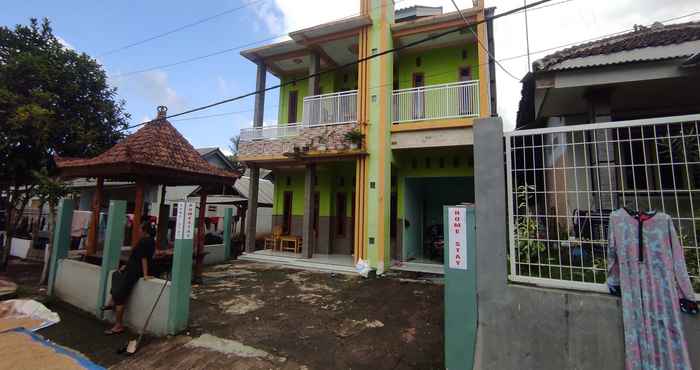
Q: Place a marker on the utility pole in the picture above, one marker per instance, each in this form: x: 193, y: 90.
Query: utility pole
x: 527, y: 38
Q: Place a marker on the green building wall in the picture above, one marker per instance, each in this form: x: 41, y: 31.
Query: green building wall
x: 329, y: 83
x: 328, y: 185
x: 438, y: 66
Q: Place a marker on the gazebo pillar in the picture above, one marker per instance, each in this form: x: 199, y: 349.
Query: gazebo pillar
x: 138, y: 212
x: 200, y: 232
x: 91, y: 247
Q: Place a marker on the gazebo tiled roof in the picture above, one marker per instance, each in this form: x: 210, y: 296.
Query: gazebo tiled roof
x: 157, y: 153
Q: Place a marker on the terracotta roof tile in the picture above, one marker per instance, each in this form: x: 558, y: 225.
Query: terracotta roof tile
x: 643, y: 37
x: 157, y: 145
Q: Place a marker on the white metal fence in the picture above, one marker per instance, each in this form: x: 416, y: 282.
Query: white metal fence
x: 451, y: 100
x: 564, y: 182
x: 318, y: 110
x: 332, y: 108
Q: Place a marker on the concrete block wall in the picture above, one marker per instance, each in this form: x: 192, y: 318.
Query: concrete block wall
x: 307, y: 136
x: 525, y: 327
x: 78, y: 283
x: 140, y: 303
x: 216, y: 253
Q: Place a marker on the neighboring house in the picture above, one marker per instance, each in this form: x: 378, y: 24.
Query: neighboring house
x: 648, y: 74
x: 383, y: 201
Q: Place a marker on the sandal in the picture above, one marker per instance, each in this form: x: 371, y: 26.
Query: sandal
x: 113, y: 332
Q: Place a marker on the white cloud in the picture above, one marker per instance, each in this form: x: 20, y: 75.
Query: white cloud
x: 65, y: 43
x: 154, y: 87
x: 553, y: 26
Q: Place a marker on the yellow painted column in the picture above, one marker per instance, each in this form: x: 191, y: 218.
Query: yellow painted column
x: 378, y: 166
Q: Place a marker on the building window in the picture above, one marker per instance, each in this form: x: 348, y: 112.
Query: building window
x: 464, y: 54
x: 292, y: 106
x: 174, y: 213
x: 442, y: 162
x: 341, y: 181
x: 418, y: 62
x: 465, y: 74
x: 340, y: 213
x: 211, y: 208
x: 414, y: 163
x: 455, y: 162
x: 345, y: 78
x: 289, y: 181
x: 427, y: 162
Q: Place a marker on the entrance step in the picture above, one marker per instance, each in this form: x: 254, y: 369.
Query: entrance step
x: 301, y: 263
x: 431, y: 268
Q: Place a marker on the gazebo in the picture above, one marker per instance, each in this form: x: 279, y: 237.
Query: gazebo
x: 156, y: 154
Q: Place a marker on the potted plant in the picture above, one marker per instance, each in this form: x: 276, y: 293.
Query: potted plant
x: 354, y: 137
x: 322, y: 141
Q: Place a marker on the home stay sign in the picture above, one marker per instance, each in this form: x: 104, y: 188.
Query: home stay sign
x: 457, y: 217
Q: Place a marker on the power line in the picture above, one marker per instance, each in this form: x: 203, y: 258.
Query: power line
x: 480, y: 64
x: 491, y: 57
x: 346, y: 65
x: 178, y: 29
x: 227, y: 50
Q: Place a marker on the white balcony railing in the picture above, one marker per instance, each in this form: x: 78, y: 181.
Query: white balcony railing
x: 319, y: 110
x: 332, y: 108
x: 451, y: 100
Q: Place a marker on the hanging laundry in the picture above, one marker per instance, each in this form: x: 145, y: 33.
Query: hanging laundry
x: 646, y: 263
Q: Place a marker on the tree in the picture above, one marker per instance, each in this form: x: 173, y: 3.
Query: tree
x: 235, y: 142
x: 53, y: 101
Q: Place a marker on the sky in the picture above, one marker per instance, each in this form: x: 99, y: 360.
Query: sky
x: 145, y: 76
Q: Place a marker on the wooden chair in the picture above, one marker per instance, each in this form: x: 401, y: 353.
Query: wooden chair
x: 290, y: 243
x: 273, y: 241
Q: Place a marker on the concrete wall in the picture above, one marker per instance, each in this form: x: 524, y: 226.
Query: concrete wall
x: 524, y: 327
x: 78, y: 283
x: 216, y: 253
x: 140, y: 303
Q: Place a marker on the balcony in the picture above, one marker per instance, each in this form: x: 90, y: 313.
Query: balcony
x: 327, y: 116
x: 318, y: 110
x: 434, y: 102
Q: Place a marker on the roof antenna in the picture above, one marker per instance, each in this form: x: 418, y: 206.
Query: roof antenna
x: 162, y: 112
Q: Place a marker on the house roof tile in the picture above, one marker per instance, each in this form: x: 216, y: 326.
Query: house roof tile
x: 657, y: 35
x: 157, y: 151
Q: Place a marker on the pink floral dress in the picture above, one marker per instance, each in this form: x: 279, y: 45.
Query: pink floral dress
x: 652, y: 276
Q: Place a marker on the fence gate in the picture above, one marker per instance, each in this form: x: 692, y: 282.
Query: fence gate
x: 564, y: 182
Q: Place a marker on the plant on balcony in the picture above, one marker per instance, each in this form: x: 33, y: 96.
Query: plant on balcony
x: 355, y: 138
x: 322, y: 141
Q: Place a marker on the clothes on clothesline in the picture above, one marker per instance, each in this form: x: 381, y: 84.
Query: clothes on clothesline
x: 646, y: 264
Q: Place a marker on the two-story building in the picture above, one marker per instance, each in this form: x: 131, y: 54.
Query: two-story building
x: 368, y: 149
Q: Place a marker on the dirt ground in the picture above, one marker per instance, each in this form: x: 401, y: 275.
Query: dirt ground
x: 258, y: 316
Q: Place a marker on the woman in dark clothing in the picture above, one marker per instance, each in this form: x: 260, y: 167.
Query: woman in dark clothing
x: 139, y: 265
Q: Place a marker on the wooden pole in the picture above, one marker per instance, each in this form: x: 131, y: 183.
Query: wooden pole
x: 200, y: 232
x: 138, y: 212
x: 91, y: 247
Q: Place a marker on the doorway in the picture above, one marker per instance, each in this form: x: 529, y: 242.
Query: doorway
x: 424, y: 198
